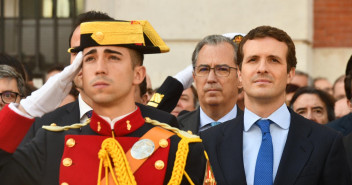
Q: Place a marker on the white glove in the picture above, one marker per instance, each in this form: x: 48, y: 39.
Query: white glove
x: 185, y: 77
x: 51, y: 94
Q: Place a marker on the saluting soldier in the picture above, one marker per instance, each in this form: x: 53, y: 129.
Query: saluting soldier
x: 116, y: 145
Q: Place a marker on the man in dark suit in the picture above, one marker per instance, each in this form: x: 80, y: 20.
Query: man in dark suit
x: 215, y: 76
x: 269, y: 143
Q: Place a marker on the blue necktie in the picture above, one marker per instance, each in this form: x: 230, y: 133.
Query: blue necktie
x: 264, y: 167
x: 89, y: 114
x: 214, y: 123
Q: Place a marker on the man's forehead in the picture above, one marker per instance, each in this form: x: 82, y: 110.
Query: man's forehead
x: 109, y: 49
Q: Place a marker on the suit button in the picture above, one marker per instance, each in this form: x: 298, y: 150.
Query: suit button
x: 70, y: 142
x: 163, y: 143
x: 67, y: 162
x: 64, y: 183
x: 159, y: 164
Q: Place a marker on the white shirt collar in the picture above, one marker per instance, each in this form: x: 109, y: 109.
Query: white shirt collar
x: 113, y: 121
x: 280, y: 117
x: 83, y: 107
x: 205, y: 119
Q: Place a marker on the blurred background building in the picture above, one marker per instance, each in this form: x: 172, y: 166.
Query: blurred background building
x: 37, y: 31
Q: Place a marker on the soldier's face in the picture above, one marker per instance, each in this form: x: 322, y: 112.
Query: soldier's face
x: 108, y: 75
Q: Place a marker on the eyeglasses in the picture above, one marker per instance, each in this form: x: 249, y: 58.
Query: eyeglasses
x: 9, y: 97
x: 219, y: 70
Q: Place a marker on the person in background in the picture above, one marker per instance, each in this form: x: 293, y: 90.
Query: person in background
x: 12, y: 86
x: 215, y: 77
x: 313, y: 104
x: 301, y: 79
x: 344, y: 124
x: 53, y: 71
x: 187, y: 102
x: 338, y: 88
x: 6, y: 59
x: 341, y: 107
x: 323, y: 84
x: 290, y: 91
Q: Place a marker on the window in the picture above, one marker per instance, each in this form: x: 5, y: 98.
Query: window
x: 37, y: 31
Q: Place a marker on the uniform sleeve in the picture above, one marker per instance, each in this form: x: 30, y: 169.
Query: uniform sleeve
x: 167, y: 96
x: 24, y: 166
x: 13, y: 128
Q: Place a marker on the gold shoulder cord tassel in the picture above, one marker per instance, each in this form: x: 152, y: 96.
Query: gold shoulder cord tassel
x: 182, y: 152
x: 121, y: 170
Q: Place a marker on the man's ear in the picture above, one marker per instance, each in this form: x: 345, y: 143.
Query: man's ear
x: 139, y: 74
x: 291, y: 74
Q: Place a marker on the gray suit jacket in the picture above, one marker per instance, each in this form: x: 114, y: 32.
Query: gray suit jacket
x: 190, y: 121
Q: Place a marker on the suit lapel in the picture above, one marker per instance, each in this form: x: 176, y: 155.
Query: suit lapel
x: 191, y: 122
x: 297, y: 151
x: 72, y: 113
x: 230, y: 151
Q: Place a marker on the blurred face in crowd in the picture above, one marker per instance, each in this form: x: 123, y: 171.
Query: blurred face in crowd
x: 323, y: 84
x: 109, y: 75
x: 212, y: 89
x: 186, y: 102
x: 300, y: 80
x: 339, y: 90
x: 311, y: 107
x: 341, y: 108
x: 264, y: 73
x: 8, y: 86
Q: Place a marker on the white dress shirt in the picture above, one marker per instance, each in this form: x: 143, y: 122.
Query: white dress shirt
x: 252, y: 138
x: 83, y: 109
x: 205, y: 119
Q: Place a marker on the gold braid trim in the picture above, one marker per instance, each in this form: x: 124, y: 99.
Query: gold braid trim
x: 55, y: 128
x: 173, y: 129
x: 181, y: 154
x: 112, y: 148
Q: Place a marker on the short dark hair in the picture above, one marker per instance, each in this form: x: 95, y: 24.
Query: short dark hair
x: 268, y: 31
x: 56, y: 67
x: 326, y: 98
x: 89, y: 17
x: 212, y: 40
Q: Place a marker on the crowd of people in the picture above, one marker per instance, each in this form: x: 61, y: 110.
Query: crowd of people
x: 249, y: 118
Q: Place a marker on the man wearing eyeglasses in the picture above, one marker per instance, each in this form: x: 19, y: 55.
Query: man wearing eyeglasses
x: 215, y: 76
x: 12, y: 86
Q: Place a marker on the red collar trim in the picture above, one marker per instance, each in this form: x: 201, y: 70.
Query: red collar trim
x: 122, y: 127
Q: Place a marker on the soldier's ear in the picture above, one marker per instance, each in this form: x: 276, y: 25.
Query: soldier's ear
x: 139, y: 74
